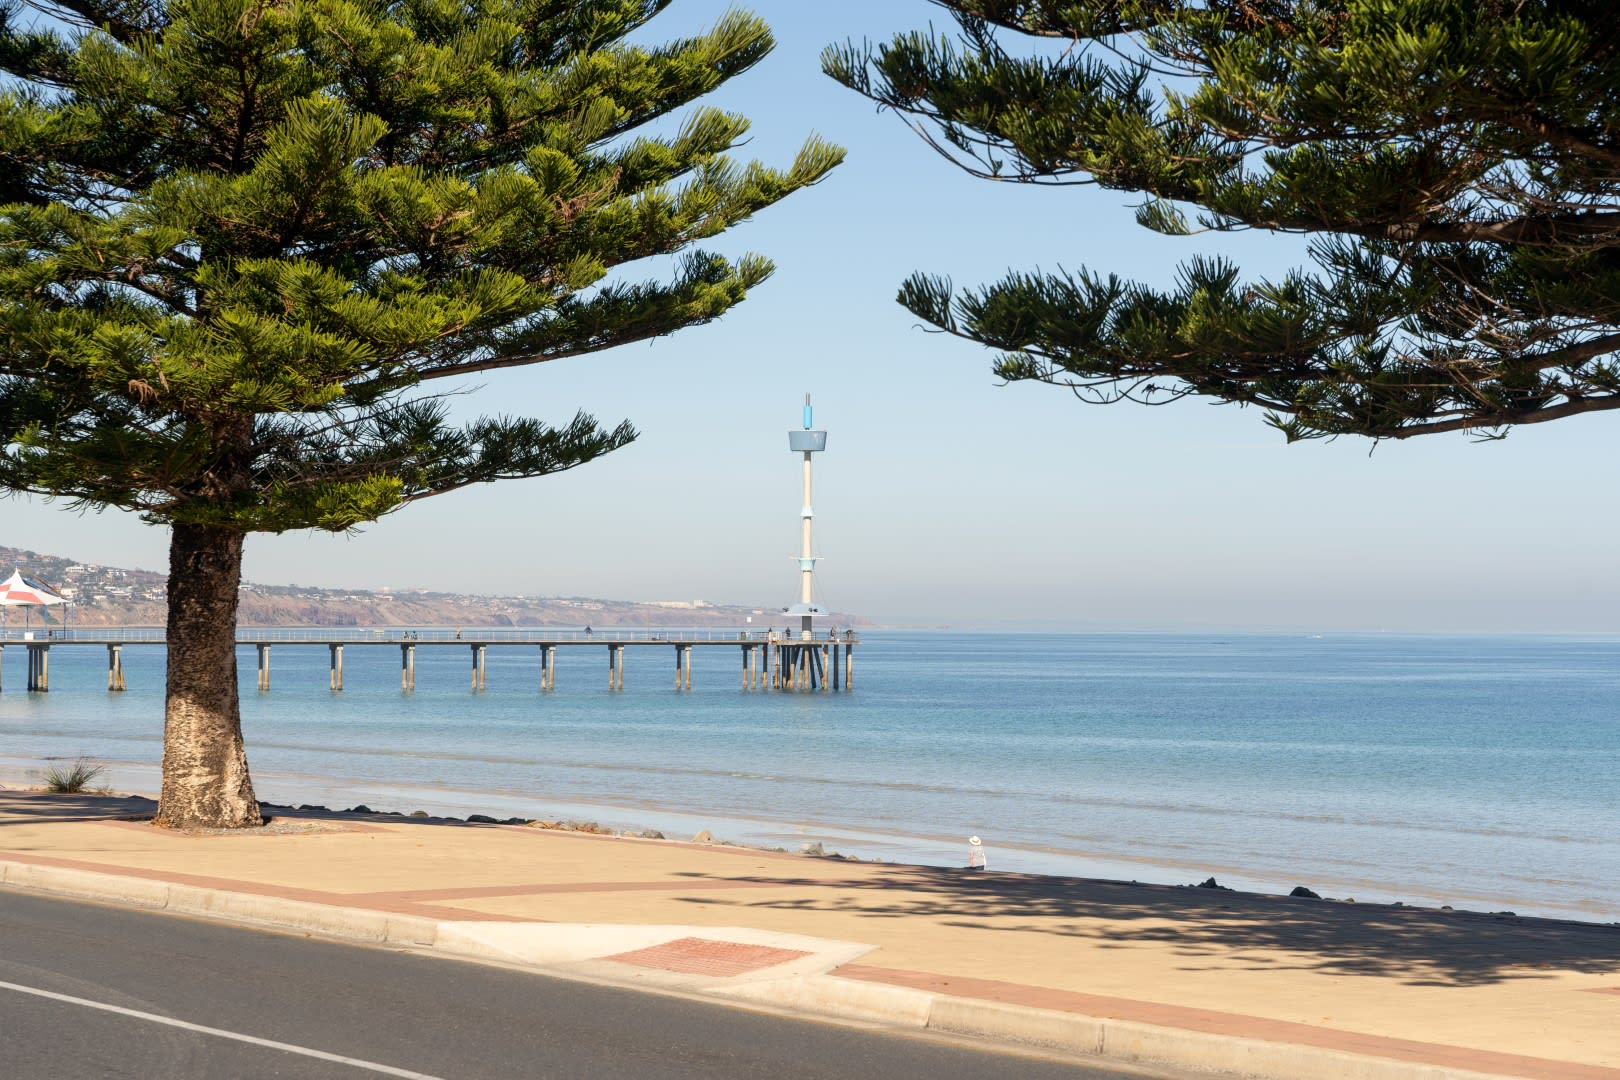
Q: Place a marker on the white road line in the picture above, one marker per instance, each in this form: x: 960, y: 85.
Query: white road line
x: 386, y: 1070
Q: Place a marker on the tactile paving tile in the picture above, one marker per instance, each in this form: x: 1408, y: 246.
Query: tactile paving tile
x: 701, y: 956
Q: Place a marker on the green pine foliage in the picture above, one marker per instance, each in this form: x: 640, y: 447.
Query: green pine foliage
x: 1455, y: 162
x: 248, y: 247
x: 243, y: 242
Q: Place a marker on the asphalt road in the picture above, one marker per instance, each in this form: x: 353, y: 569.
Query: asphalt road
x: 89, y: 991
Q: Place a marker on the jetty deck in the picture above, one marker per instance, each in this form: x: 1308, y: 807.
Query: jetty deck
x: 771, y: 659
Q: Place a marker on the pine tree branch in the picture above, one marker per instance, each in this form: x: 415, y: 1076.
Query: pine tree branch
x: 1484, y: 422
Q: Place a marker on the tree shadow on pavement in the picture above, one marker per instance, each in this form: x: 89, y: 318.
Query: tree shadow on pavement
x: 1232, y: 930
x: 34, y: 807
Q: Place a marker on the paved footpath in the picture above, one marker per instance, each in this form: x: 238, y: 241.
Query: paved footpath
x: 1182, y: 978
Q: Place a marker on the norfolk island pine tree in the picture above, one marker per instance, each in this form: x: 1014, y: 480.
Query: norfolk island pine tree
x: 242, y: 242
x: 1455, y: 162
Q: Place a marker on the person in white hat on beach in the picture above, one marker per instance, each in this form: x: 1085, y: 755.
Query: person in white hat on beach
x: 976, y: 859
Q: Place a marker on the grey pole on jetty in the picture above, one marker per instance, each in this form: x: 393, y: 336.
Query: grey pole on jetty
x: 807, y: 442
x: 264, y: 667
x: 801, y: 665
x: 336, y: 680
x: 115, y: 667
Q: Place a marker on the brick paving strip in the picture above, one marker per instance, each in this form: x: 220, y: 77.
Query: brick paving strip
x: 705, y: 956
x: 284, y: 892
x: 1232, y: 1024
x: 540, y: 888
x: 411, y: 901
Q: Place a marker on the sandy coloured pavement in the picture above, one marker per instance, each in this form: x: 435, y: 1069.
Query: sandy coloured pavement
x: 1493, y: 993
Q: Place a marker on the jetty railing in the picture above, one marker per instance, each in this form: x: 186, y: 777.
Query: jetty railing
x: 771, y: 659
x: 249, y: 635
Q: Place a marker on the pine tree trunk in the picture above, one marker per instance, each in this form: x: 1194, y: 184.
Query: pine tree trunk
x: 205, y: 771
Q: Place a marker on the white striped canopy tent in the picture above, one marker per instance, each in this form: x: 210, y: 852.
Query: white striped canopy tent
x: 18, y: 591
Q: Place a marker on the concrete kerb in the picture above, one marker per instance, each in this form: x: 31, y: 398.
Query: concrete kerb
x: 822, y: 995
x: 85, y: 884
x: 1151, y: 1044
x: 354, y: 924
x: 836, y: 998
x: 1125, y: 1041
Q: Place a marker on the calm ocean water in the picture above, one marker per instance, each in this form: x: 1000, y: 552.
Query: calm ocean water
x: 1481, y: 772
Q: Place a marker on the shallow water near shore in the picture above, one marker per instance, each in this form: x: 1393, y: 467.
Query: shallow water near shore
x: 1480, y: 772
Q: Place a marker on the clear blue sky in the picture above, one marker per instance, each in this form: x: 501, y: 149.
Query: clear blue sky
x: 943, y: 498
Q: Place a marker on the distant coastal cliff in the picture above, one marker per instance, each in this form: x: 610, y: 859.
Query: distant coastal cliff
x: 114, y: 596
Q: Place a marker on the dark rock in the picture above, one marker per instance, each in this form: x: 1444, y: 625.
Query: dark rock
x: 309, y: 806
x: 516, y: 821
x: 1213, y: 884
x: 482, y: 819
x: 1445, y: 907
x: 1300, y: 890
x: 361, y: 809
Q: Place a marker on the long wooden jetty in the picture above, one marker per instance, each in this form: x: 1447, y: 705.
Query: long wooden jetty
x: 771, y: 659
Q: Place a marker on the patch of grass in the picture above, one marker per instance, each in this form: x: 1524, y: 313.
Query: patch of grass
x: 72, y: 779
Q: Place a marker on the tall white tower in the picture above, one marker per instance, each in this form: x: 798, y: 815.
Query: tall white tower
x: 807, y: 442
